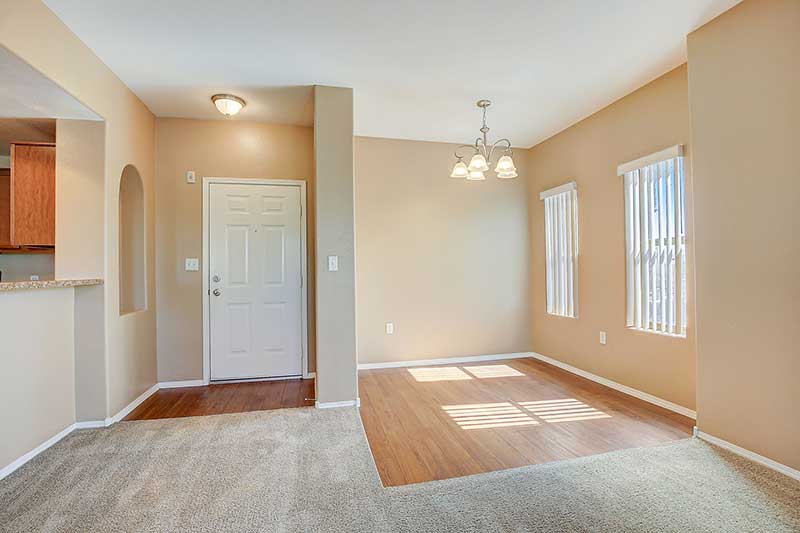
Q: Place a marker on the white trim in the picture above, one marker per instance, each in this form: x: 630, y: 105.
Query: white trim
x: 571, y: 186
x: 255, y: 380
x: 663, y: 155
x: 90, y: 424
x: 655, y: 400
x: 310, y: 375
x: 444, y: 361
x: 207, y: 181
x: 332, y: 405
x: 11, y: 467
x: 747, y: 454
x: 131, y: 406
x: 181, y: 384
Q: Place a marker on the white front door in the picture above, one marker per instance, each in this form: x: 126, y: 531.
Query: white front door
x: 255, y: 283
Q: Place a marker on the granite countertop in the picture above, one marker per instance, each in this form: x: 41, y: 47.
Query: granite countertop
x: 47, y: 284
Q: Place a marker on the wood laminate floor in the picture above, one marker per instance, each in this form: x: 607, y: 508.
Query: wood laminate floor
x: 428, y: 423
x: 225, y: 398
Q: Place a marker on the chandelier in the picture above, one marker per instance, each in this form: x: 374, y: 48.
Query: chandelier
x: 482, y: 155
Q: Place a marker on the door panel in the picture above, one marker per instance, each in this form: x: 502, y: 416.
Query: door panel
x: 255, y: 250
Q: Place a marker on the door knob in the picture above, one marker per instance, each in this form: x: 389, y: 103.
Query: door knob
x: 216, y: 278
x: 217, y: 292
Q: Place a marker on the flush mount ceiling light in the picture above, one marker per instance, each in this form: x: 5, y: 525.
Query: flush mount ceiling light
x: 228, y: 104
x: 482, y: 155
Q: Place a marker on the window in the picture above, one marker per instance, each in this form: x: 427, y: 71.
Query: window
x: 561, y: 242
x: 655, y: 230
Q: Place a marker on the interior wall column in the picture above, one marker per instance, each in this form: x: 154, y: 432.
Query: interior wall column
x: 337, y: 360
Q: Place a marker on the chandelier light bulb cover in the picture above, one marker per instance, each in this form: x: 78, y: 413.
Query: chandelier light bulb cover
x: 507, y: 175
x: 482, y: 153
x: 460, y: 170
x: 478, y: 162
x: 228, y: 104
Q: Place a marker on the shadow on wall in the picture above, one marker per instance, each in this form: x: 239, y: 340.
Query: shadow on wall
x: 132, y: 260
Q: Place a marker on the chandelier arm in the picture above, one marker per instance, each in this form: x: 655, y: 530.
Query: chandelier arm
x: 459, y: 147
x: 481, y: 147
x: 497, y: 143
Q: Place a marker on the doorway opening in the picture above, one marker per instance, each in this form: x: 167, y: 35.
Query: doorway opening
x: 254, y: 270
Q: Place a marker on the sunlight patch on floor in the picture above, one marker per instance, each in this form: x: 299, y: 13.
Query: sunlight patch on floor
x: 563, y: 410
x: 493, y: 371
x: 488, y: 415
x: 439, y: 373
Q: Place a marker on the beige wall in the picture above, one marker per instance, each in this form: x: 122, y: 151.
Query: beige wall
x: 212, y: 148
x: 37, y: 399
x: 446, y: 260
x: 744, y: 87
x: 80, y: 247
x: 647, y: 120
x: 32, y: 32
x: 337, y: 359
x: 90, y: 361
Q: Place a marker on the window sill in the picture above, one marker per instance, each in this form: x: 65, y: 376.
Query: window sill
x: 660, y: 333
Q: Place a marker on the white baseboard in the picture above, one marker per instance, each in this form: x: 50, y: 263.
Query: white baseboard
x: 445, y: 361
x: 131, y: 406
x: 655, y: 400
x: 332, y: 405
x: 181, y: 384
x: 8, y: 469
x: 91, y: 424
x: 747, y: 454
x: 310, y: 375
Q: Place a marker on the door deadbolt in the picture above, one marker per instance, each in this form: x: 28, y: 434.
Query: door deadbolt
x: 217, y: 292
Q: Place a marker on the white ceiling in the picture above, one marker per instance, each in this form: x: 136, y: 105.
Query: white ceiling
x: 26, y: 93
x: 417, y: 67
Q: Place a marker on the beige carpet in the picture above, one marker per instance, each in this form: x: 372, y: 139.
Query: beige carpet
x: 311, y: 470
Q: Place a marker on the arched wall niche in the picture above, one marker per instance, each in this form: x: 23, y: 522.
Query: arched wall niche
x: 132, y: 250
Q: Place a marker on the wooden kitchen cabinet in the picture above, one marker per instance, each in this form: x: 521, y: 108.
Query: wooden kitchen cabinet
x: 28, y: 197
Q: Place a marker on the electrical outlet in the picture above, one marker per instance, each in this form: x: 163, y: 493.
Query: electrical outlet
x: 190, y: 177
x: 390, y: 328
x: 602, y: 337
x: 34, y: 278
x: 333, y: 263
x: 192, y: 264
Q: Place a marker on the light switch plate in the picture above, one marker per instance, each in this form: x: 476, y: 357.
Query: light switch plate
x: 333, y: 263
x: 192, y: 264
x: 190, y: 177
x: 602, y: 337
x: 390, y: 328
x: 35, y: 278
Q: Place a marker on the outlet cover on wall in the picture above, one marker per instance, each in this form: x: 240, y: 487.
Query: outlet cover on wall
x: 390, y: 328
x: 190, y: 177
x: 602, y: 337
x: 333, y: 263
x: 192, y: 264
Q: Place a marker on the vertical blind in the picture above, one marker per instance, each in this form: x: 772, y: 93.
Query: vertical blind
x: 561, y: 245
x: 655, y: 230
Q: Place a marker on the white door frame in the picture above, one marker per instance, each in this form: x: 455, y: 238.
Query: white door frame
x: 207, y: 181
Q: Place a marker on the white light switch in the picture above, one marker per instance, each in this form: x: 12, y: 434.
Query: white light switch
x: 333, y: 263
x: 390, y: 328
x: 190, y: 177
x: 602, y: 337
x: 192, y: 264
